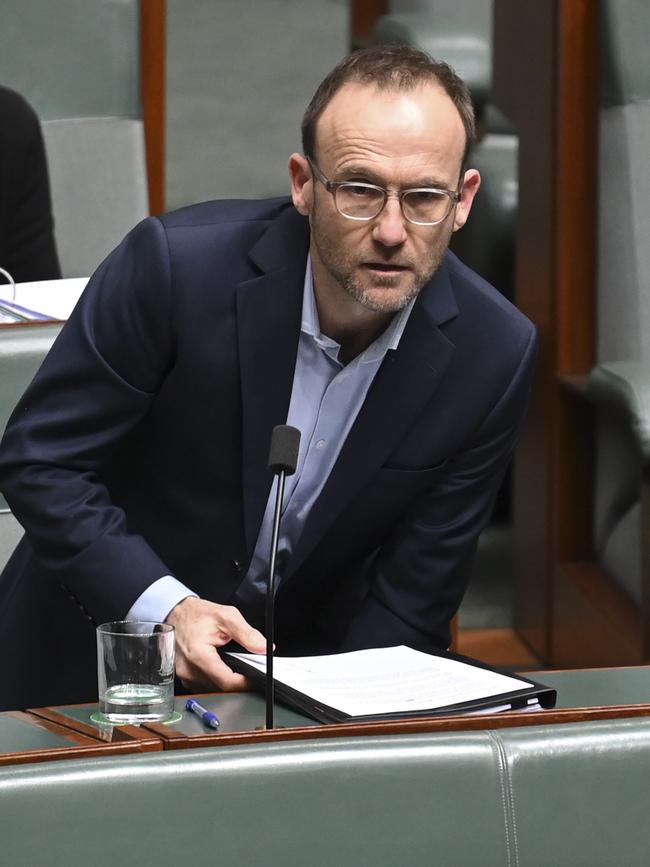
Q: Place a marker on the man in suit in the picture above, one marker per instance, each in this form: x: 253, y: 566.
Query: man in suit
x: 136, y: 460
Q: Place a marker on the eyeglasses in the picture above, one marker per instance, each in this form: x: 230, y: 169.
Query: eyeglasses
x: 424, y: 206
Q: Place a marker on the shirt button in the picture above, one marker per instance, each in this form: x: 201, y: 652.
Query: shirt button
x: 320, y: 444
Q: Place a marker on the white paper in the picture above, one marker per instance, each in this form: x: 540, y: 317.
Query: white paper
x: 385, y: 680
x: 53, y: 298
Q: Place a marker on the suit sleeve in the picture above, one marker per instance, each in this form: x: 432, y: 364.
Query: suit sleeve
x: 419, y: 575
x: 96, y: 384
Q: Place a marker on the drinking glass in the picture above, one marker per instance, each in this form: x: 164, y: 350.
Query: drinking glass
x: 135, y: 671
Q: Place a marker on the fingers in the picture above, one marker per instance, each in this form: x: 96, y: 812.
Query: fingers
x: 209, y: 672
x: 201, y: 627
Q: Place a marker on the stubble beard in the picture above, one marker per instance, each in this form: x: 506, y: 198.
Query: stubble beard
x: 382, y: 301
x: 385, y: 295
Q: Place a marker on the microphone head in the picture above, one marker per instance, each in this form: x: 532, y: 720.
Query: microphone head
x: 285, y: 444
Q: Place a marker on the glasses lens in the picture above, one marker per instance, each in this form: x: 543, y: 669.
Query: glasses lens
x: 359, y: 201
x: 426, y: 206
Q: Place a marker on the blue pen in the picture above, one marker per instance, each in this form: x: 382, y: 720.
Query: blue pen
x: 209, y: 718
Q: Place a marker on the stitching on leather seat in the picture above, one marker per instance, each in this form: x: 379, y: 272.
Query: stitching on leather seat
x: 506, y: 799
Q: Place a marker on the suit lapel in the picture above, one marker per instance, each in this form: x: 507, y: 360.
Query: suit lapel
x: 403, y: 385
x: 269, y: 311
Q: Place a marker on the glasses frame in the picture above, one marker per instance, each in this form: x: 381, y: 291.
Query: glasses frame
x: 332, y: 187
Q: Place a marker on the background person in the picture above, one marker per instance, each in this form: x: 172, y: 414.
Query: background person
x: 27, y: 246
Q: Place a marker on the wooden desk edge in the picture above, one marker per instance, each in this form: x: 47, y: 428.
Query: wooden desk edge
x: 173, y: 739
x: 139, y: 739
x: 81, y: 745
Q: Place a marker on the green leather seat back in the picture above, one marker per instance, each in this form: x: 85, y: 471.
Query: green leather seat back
x: 22, y: 350
x: 75, y: 61
x: 456, y: 32
x: 572, y: 794
x: 487, y: 240
x: 579, y: 793
x: 623, y: 299
x: 625, y: 73
x: 331, y: 803
x: 78, y: 64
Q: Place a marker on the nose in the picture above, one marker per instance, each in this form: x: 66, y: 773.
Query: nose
x: 390, y: 226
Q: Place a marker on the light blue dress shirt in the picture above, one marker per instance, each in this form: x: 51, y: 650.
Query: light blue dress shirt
x: 326, y: 398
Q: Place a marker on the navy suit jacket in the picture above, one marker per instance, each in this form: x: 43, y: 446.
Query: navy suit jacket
x: 140, y: 449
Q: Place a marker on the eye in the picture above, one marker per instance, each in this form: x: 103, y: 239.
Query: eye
x: 360, y: 191
x: 424, y: 197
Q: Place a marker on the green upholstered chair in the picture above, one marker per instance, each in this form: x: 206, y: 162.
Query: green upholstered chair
x: 78, y: 64
x: 602, y: 580
x: 572, y: 794
x: 22, y: 349
x: 457, y: 31
x: 620, y: 383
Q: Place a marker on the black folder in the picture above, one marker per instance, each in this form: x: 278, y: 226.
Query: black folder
x: 526, y: 694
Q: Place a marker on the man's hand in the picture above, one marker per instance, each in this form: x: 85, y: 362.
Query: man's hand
x: 201, y: 627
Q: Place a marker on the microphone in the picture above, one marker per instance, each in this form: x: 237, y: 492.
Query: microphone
x: 283, y: 460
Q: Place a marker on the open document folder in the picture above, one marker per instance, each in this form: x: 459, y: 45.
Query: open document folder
x: 42, y: 301
x: 391, y: 682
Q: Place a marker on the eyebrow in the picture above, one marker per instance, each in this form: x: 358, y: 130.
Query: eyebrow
x: 358, y: 172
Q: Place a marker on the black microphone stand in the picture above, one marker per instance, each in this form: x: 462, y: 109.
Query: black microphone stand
x: 283, y: 460
x: 270, y: 599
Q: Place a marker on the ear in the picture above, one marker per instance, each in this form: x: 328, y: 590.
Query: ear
x: 471, y: 183
x: 302, y: 188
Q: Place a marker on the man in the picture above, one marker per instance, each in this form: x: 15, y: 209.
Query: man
x: 137, y: 458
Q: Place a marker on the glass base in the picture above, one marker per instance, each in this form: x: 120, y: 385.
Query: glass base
x: 99, y: 718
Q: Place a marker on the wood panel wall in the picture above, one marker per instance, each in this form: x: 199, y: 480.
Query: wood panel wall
x: 363, y: 14
x: 152, y: 77
x: 546, y: 81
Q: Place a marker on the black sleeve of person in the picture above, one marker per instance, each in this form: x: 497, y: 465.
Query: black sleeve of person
x: 27, y: 246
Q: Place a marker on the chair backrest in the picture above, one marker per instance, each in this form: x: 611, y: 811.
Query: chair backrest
x: 623, y: 278
x: 624, y: 183
x: 79, y: 66
x: 456, y: 31
x: 567, y: 794
x: 22, y: 349
x: 465, y: 13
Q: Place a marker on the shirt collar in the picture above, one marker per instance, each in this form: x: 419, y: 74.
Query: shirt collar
x: 310, y: 325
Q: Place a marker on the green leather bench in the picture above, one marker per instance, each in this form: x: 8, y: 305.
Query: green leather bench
x: 573, y: 794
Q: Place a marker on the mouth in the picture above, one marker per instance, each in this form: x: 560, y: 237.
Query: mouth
x: 389, y: 268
